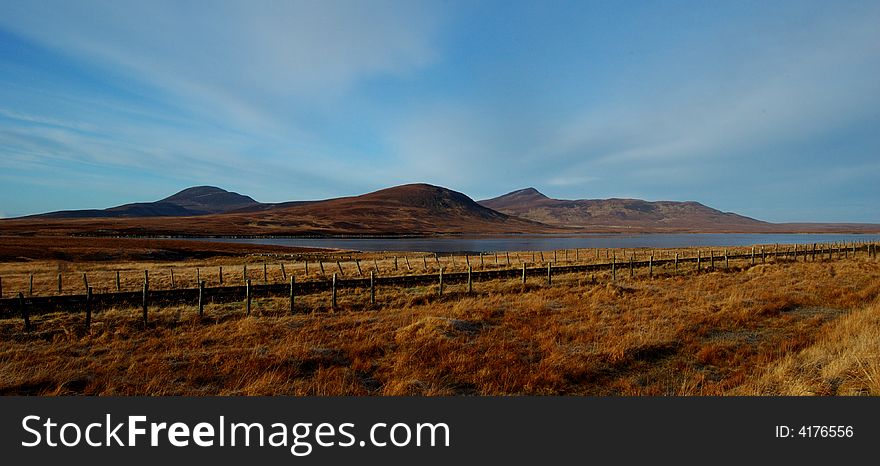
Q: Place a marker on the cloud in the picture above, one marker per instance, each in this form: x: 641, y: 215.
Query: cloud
x: 760, y: 110
x: 248, y: 60
x: 295, y: 99
x: 233, y: 93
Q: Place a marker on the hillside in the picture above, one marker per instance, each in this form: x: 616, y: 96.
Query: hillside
x: 413, y: 209
x: 621, y: 214
x: 199, y: 200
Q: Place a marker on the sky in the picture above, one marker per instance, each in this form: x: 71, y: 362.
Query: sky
x: 770, y: 109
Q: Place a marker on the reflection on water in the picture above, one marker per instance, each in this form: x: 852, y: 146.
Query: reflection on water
x: 550, y: 242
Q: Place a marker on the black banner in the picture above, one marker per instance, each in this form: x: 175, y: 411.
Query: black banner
x: 514, y: 430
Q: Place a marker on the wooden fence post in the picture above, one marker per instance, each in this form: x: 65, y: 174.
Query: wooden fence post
x: 496, y: 259
x: 425, y: 262
x: 549, y: 273
x: 307, y: 267
x: 339, y: 266
x: 265, y: 274
x: 357, y: 262
x: 88, y: 308
x: 292, y: 292
x: 376, y: 265
x: 753, y: 255
x: 31, y: 285
x: 632, y: 271
x: 470, y: 283
x: 507, y: 253
x: 651, y: 266
x: 333, y: 293
x: 85, y: 281
x: 321, y: 264
x: 440, y: 292
x: 613, y: 267
x: 59, y: 282
x: 676, y: 262
x: 201, y: 299
x: 698, y: 259
x: 284, y: 272
x: 406, y: 260
x: 221, y: 274
x: 247, y: 296
x: 481, y: 260
x: 146, y: 292
x: 524, y: 274
x: 395, y: 262
x: 372, y: 288
x: 172, y: 279
x: 118, y: 284
x: 25, y: 315
x: 1, y: 287
x: 726, y: 260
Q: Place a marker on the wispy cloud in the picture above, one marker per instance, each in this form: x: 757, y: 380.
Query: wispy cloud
x: 761, y: 119
x: 300, y: 99
x: 238, y: 58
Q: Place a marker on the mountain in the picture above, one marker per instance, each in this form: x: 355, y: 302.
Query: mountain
x: 407, y: 210
x: 620, y: 214
x: 209, y: 200
x: 199, y: 200
x: 412, y: 209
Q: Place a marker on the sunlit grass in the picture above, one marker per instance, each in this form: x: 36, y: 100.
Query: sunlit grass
x: 778, y: 328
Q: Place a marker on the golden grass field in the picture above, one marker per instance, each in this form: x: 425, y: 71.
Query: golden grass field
x: 779, y: 328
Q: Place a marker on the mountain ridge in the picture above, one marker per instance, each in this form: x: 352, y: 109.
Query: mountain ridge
x: 196, y: 200
x: 412, y: 209
x: 620, y: 213
x: 416, y: 209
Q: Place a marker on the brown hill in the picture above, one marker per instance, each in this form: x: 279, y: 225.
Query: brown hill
x: 414, y: 209
x: 621, y: 214
x: 198, y: 200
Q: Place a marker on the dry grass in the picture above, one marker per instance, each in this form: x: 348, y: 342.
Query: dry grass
x: 776, y: 328
x: 843, y: 360
x: 188, y: 265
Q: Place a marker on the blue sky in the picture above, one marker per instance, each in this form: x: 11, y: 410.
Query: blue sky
x: 768, y: 109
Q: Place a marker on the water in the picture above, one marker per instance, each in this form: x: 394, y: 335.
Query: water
x: 551, y: 242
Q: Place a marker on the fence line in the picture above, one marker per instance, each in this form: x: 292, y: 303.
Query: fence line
x: 30, y: 305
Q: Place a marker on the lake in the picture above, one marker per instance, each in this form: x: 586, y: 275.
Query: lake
x: 447, y: 244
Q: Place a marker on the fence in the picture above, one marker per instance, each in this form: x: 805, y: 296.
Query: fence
x: 26, y: 306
